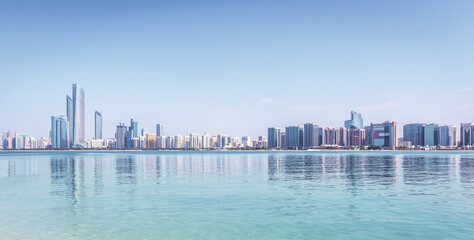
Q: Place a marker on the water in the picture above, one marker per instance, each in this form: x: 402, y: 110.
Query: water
x: 246, y: 195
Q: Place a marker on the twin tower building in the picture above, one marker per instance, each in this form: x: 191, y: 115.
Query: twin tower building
x: 69, y: 131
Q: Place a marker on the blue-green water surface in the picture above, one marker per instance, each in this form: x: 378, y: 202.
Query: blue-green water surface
x: 236, y: 195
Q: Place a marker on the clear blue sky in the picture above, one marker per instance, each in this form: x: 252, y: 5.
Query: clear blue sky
x: 236, y: 67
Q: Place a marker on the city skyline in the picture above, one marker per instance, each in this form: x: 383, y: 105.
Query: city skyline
x: 274, y: 64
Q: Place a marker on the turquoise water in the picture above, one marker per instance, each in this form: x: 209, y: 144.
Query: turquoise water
x: 246, y: 195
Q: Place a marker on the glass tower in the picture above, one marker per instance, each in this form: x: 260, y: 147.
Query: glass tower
x: 160, y: 130
x: 98, y: 125
x: 356, y: 121
x: 59, y: 132
x: 78, y: 122
x: 274, y: 137
x: 134, y: 127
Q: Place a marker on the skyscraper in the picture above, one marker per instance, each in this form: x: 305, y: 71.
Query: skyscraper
x: 309, y: 132
x: 274, y: 137
x: 356, y: 121
x: 160, y: 130
x: 98, y: 125
x: 134, y: 127
x: 293, y: 137
x: 414, y: 132
x: 70, y: 116
x: 431, y: 135
x: 447, y: 135
x: 467, y: 134
x: 120, y: 136
x: 384, y: 134
x: 77, y: 113
x: 59, y: 132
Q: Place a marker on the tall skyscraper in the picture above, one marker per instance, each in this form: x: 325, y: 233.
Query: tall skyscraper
x: 193, y: 140
x: 430, y: 135
x: 70, y: 116
x: 98, y: 125
x: 447, y: 135
x: 356, y: 121
x: 76, y: 112
x: 467, y: 134
x: 120, y: 136
x: 293, y: 138
x: 59, y: 132
x: 160, y: 129
x: 384, y: 134
x: 134, y: 127
x: 309, y: 132
x: 274, y: 137
x: 414, y: 132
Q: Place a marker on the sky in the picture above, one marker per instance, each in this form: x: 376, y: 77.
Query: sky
x: 236, y: 67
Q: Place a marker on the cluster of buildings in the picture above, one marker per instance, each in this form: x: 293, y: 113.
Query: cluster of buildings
x: 68, y: 132
x: 376, y: 135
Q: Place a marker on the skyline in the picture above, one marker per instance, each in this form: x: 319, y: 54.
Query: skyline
x: 236, y: 68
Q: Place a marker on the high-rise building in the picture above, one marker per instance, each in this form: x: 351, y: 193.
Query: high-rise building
x: 309, y: 135
x: 70, y: 116
x: 467, y: 134
x: 447, y: 135
x: 193, y: 140
x: 356, y: 137
x: 144, y: 132
x: 129, y: 138
x: 160, y: 131
x: 120, y: 136
x: 98, y: 125
x: 342, y: 137
x: 431, y: 135
x: 59, y: 132
x: 292, y: 137
x: 150, y: 141
x: 368, y: 137
x: 283, y: 140
x: 77, y: 112
x: 384, y: 134
x: 274, y: 137
x: 356, y: 121
x: 134, y: 127
x: 414, y: 132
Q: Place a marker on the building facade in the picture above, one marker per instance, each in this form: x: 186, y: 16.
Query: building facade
x: 98, y: 125
x: 356, y: 121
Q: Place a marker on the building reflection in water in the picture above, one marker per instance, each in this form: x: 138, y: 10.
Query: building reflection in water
x: 362, y: 170
x: 67, y: 178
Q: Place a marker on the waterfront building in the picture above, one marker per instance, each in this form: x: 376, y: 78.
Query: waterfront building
x: 98, y: 125
x: 404, y: 144
x: 447, y: 135
x: 70, y: 117
x: 194, y: 140
x: 467, y: 134
x: 342, y: 137
x: 292, y: 137
x: 129, y: 138
x: 283, y: 140
x: 59, y: 132
x: 160, y: 142
x: 246, y: 142
x: 21, y: 141
x: 356, y: 121
x: 144, y: 132
x: 356, y: 137
x: 150, y: 141
x: 431, y: 135
x: 169, y: 142
x: 134, y: 127
x: 414, y: 132
x: 384, y: 134
x: 178, y: 142
x: 368, y: 137
x: 78, y: 122
x: 274, y: 138
x: 309, y: 132
x: 120, y: 136
x: 160, y: 131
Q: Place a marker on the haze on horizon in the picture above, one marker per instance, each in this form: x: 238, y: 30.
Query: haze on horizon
x: 236, y: 67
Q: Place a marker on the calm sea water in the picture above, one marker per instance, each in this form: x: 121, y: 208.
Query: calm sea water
x: 246, y: 195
